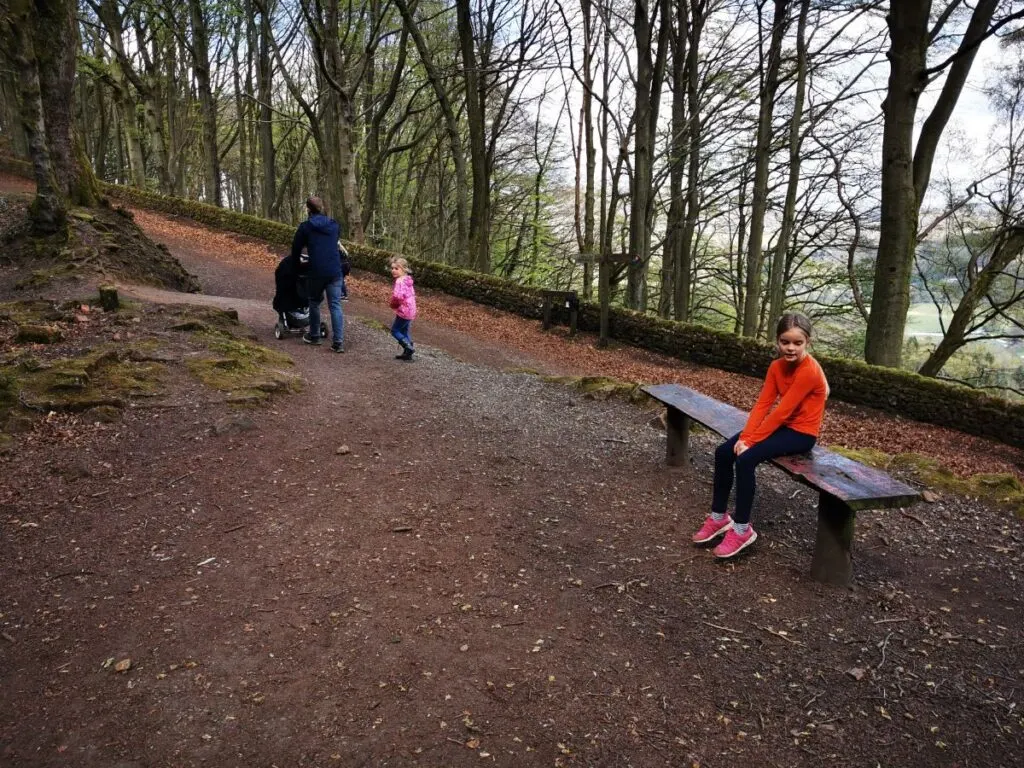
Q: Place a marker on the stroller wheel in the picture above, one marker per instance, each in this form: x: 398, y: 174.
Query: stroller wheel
x: 278, y: 332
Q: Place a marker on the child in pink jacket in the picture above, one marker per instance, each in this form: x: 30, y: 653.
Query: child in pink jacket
x: 403, y: 301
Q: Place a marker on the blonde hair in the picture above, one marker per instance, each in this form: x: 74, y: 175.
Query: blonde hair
x: 402, y: 263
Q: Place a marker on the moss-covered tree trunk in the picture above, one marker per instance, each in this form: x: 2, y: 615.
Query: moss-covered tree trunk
x: 42, y: 39
x: 56, y: 49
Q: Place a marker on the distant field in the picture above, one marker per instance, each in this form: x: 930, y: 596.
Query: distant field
x: 922, y: 319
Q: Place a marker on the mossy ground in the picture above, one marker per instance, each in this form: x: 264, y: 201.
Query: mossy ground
x: 107, y: 361
x: 601, y: 387
x: 1001, y: 488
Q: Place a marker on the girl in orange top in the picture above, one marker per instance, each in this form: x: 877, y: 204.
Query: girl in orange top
x: 797, y: 384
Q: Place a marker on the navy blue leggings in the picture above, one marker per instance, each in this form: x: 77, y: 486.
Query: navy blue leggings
x: 782, y: 442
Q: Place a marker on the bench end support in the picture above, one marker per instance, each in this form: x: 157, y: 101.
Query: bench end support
x: 833, y: 559
x: 677, y: 427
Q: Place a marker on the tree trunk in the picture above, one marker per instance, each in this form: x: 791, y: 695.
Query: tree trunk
x: 337, y: 155
x: 672, y: 253
x: 694, y: 140
x: 906, y: 172
x: 122, y: 90
x: 464, y: 256
x: 762, y: 158
x: 43, y: 39
x: 780, y: 260
x: 589, y: 201
x: 242, y: 115
x: 480, y: 212
x: 207, y: 103
x: 260, y: 35
x: 48, y: 210
x: 650, y: 77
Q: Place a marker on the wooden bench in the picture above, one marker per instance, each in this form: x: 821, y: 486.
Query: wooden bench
x: 845, y: 486
x: 567, y: 299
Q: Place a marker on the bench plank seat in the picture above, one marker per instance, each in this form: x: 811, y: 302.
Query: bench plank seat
x: 844, y: 485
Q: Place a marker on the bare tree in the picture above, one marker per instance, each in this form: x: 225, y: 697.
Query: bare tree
x: 906, y: 168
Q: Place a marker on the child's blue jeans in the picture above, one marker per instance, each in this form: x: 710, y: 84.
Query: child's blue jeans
x: 400, y: 330
x: 782, y: 442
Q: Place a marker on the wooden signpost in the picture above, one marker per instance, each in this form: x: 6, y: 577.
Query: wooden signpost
x: 604, y: 283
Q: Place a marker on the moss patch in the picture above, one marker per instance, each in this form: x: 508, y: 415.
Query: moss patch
x: 99, y: 367
x: 872, y: 457
x: 991, y: 487
x: 601, y: 387
x: 248, y: 371
x: 99, y: 377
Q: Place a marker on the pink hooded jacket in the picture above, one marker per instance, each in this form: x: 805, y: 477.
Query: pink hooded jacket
x: 403, y: 298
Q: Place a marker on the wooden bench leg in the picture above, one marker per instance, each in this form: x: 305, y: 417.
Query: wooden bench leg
x: 678, y: 430
x: 572, y: 321
x: 547, y: 314
x: 833, y: 562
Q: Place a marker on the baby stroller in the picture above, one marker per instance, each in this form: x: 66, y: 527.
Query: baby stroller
x: 291, y: 299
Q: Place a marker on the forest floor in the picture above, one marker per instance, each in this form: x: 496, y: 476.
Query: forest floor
x: 457, y: 561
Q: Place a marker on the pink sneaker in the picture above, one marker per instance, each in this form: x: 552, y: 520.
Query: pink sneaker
x: 711, y: 529
x: 734, y: 543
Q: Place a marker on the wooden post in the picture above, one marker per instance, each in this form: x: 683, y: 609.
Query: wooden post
x: 677, y: 428
x: 603, y: 297
x: 546, y: 323
x: 108, y: 298
x: 833, y: 559
x: 605, y: 290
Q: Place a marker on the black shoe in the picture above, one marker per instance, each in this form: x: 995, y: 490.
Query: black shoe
x: 316, y: 342
x: 337, y: 347
x: 406, y: 355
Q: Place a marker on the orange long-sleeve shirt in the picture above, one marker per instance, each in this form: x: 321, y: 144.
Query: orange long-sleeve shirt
x: 801, y: 391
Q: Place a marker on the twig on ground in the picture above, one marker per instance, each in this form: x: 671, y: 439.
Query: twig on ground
x: 892, y: 621
x: 234, y: 528
x: 179, y: 479
x: 912, y: 516
x: 885, y: 644
x: 615, y: 440
x: 771, y: 631
x: 69, y: 573
x: 724, y: 629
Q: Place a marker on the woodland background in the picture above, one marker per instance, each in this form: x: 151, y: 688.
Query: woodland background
x: 858, y: 161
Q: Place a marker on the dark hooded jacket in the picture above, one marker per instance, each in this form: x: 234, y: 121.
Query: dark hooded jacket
x: 319, y: 236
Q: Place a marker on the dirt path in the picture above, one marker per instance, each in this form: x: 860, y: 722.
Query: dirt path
x: 495, y: 571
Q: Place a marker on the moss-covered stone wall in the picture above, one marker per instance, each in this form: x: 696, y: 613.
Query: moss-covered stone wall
x: 898, y: 392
